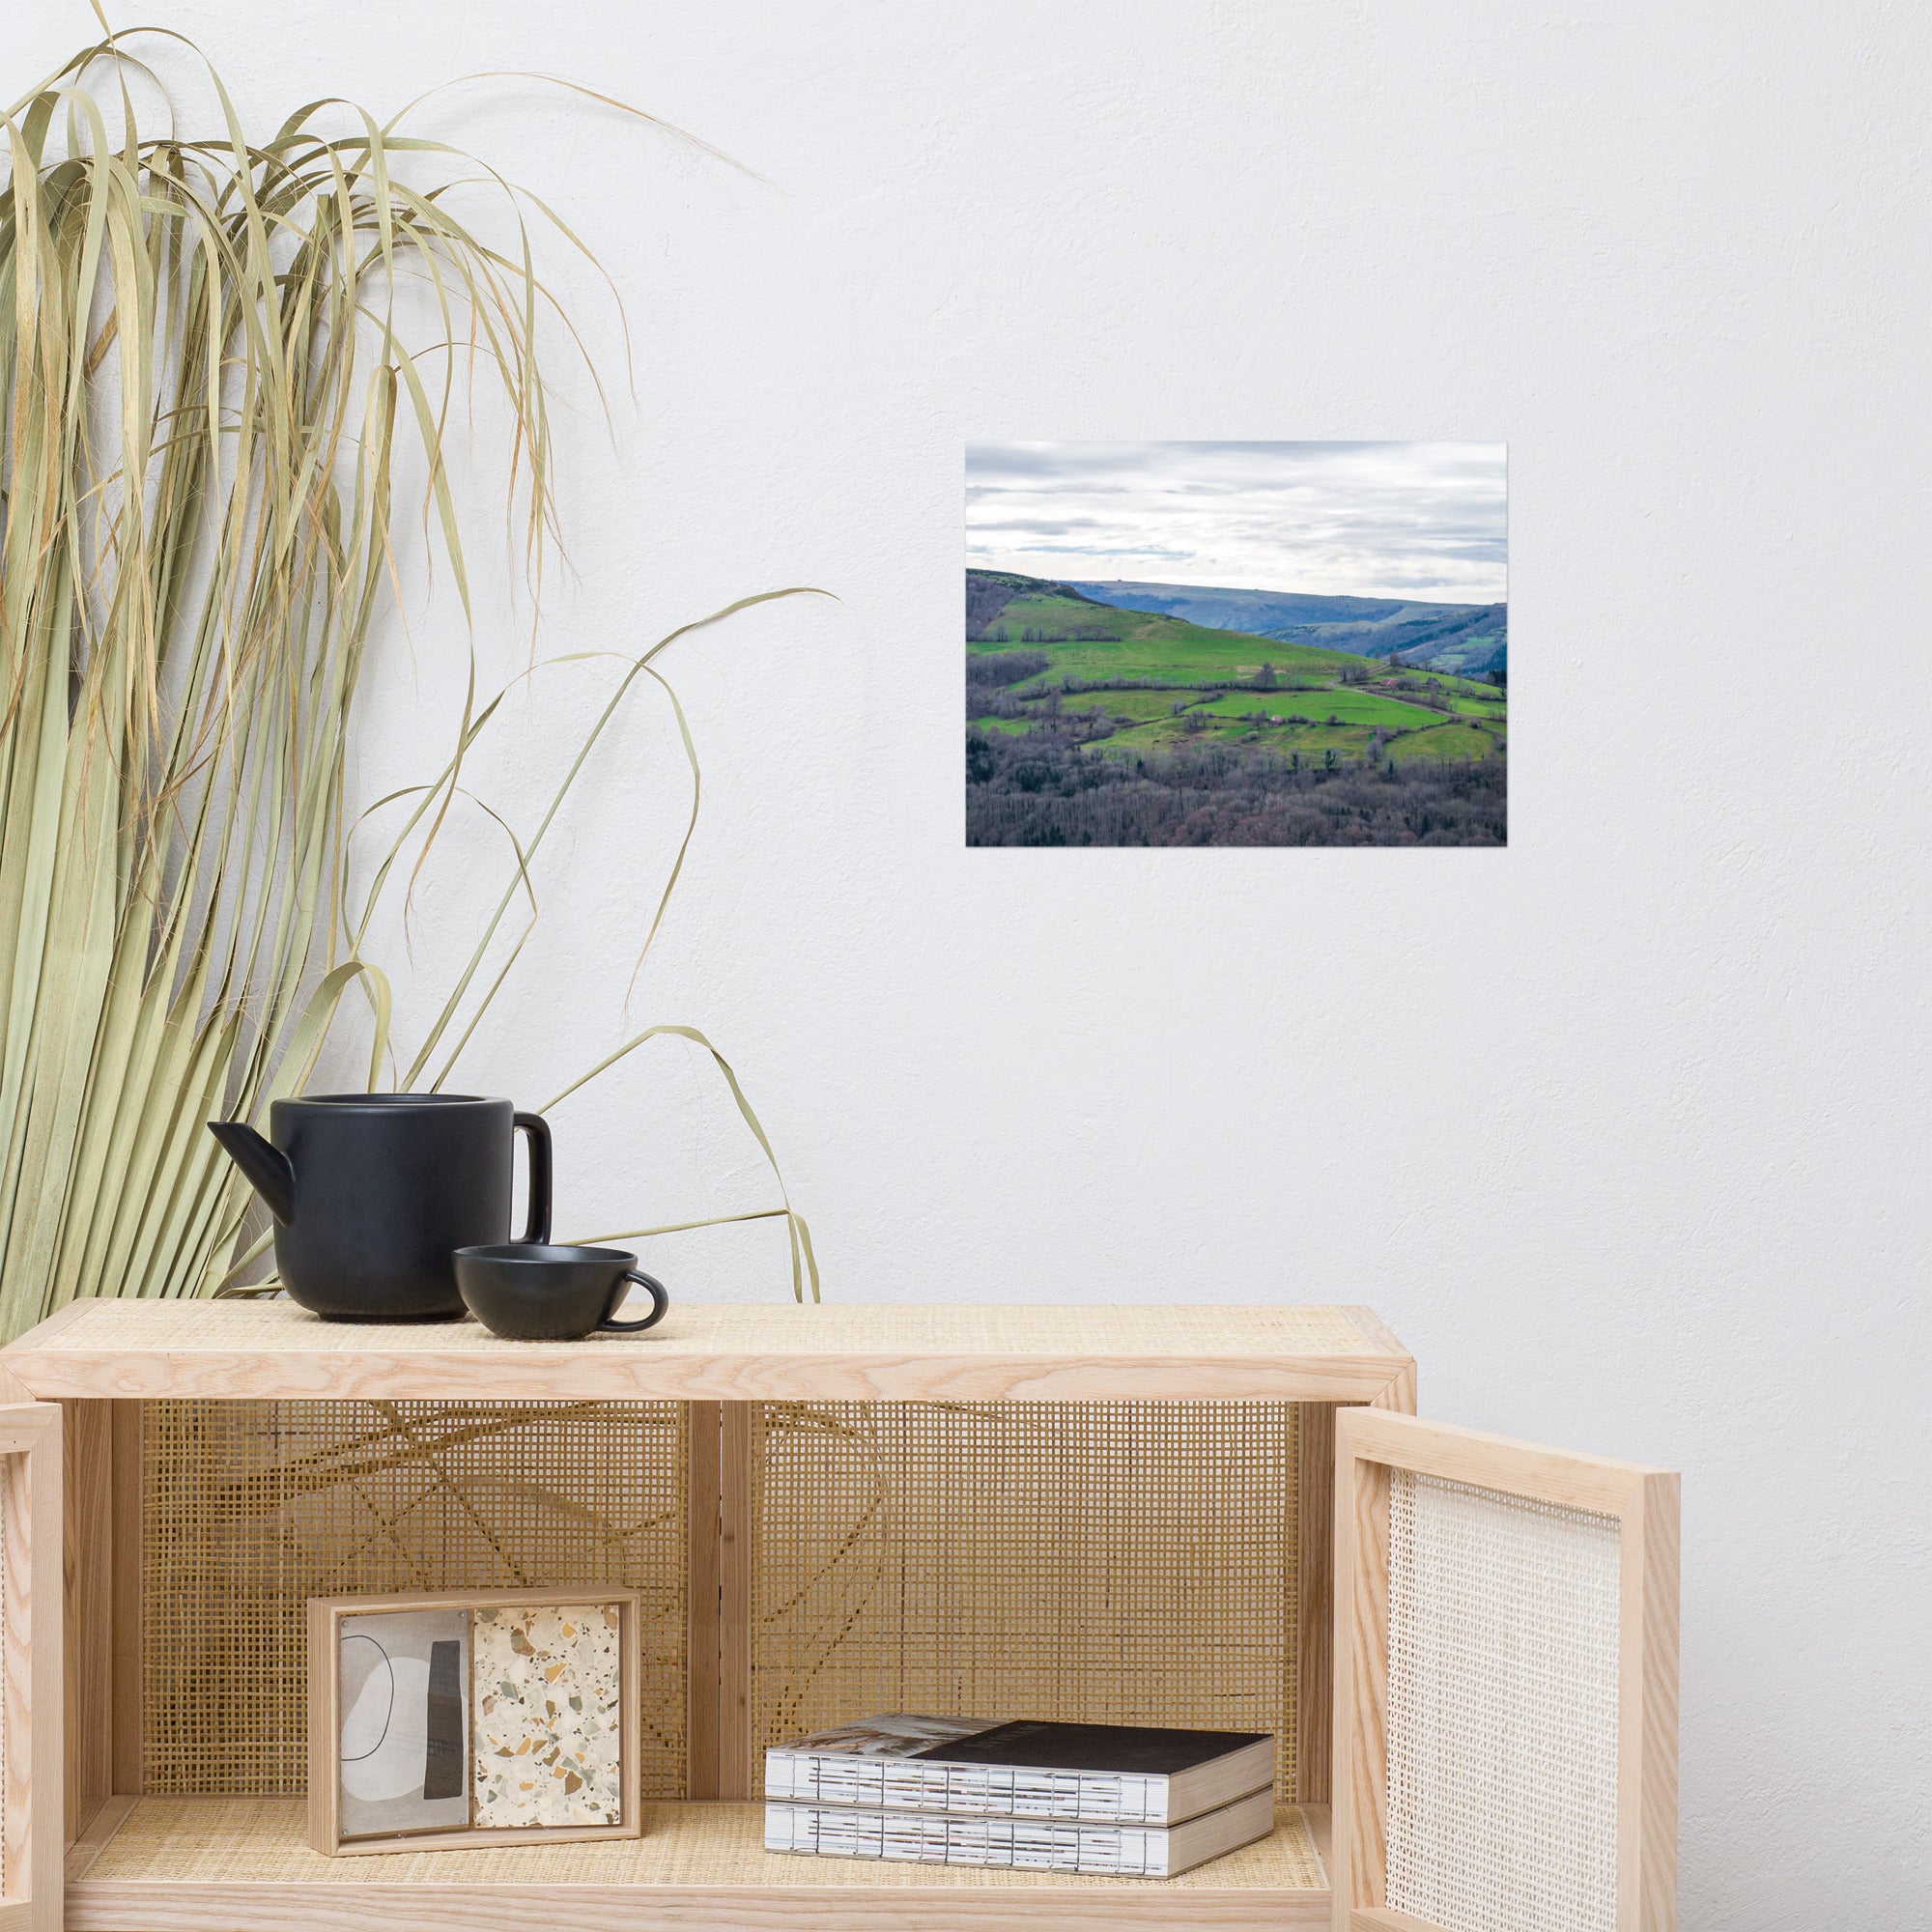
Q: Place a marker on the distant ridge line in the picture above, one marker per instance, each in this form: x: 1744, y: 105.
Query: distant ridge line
x: 1151, y: 583
x: 1468, y: 638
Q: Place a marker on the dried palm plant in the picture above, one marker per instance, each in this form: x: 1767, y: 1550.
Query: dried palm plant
x: 210, y: 383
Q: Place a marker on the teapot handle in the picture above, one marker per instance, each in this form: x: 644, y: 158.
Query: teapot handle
x: 537, y: 1228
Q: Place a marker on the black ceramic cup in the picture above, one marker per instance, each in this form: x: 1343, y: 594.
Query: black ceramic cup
x: 529, y: 1292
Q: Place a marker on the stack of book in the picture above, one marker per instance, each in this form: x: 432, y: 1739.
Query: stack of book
x: 1112, y: 1799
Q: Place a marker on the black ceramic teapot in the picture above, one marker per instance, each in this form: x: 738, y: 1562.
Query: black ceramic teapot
x: 373, y: 1192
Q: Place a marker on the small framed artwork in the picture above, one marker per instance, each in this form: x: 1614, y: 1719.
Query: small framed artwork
x: 478, y: 1717
x: 1243, y: 644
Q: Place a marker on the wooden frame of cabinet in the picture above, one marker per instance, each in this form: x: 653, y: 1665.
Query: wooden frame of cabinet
x: 31, y: 1811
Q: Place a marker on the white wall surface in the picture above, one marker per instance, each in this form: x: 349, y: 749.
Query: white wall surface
x: 1623, y: 1129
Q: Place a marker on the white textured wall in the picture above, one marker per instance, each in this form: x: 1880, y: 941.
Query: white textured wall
x: 1623, y: 1130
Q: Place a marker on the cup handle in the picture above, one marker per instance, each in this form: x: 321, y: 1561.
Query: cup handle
x: 660, y: 1301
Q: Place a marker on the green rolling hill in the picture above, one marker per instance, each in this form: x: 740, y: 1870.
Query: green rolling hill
x: 1046, y: 657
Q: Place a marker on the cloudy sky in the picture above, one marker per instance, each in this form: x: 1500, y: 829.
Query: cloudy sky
x: 1420, y: 520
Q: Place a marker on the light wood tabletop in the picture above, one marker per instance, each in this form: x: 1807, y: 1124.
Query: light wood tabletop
x: 734, y: 1352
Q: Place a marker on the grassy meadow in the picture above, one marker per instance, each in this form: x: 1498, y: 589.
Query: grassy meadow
x: 1121, y: 684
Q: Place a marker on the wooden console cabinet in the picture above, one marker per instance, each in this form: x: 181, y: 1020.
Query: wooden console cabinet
x: 95, y: 1837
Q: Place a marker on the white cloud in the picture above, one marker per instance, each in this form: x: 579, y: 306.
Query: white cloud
x: 1422, y: 519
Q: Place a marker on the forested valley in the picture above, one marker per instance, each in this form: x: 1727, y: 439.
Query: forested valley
x: 1044, y: 790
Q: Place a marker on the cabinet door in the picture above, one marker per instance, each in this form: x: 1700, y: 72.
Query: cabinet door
x: 1505, y: 1685
x: 30, y: 1667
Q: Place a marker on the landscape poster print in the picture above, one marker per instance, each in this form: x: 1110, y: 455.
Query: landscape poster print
x: 1237, y: 643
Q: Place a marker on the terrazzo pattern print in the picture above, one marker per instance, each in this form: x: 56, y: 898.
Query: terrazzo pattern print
x: 547, y: 1724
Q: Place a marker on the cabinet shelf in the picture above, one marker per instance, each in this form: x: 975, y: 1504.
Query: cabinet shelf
x: 240, y: 1864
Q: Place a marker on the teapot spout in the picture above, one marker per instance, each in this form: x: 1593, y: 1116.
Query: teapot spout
x: 266, y: 1166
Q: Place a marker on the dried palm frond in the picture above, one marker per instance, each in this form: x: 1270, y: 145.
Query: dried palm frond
x: 210, y: 381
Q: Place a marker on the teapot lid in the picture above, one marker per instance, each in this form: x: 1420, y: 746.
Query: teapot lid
x: 389, y: 1100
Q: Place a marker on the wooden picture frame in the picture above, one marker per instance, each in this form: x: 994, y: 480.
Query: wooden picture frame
x: 325, y: 1617
x: 1370, y: 1445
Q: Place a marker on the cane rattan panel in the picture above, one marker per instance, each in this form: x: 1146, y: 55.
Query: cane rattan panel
x: 1502, y: 1710
x: 1121, y: 1562
x: 250, y: 1508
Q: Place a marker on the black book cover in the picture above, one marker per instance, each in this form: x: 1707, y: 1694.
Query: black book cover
x: 1100, y: 1747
